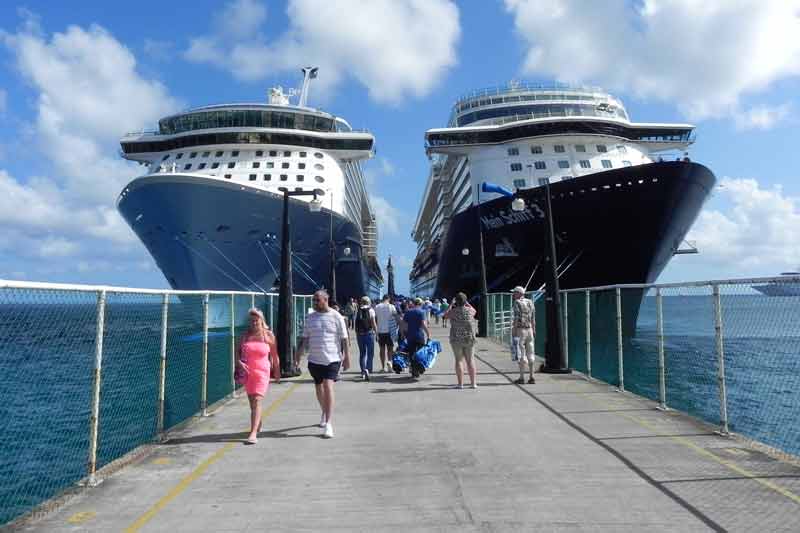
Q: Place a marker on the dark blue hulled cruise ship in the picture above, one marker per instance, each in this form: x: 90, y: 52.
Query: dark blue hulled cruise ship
x: 209, y: 208
x: 624, y: 194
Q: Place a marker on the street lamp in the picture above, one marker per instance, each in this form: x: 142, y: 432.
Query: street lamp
x: 555, y: 361
x: 285, y: 303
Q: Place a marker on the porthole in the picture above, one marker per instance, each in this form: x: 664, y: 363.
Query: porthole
x: 300, y: 177
x: 227, y: 176
x: 165, y: 157
x: 319, y: 166
x: 319, y: 179
x: 318, y: 155
x: 287, y: 153
x: 219, y: 153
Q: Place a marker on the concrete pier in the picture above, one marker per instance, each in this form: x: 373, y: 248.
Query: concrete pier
x: 565, y: 454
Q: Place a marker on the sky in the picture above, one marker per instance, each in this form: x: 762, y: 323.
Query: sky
x: 76, y: 76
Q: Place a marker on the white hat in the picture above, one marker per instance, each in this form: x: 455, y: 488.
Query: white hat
x: 518, y: 289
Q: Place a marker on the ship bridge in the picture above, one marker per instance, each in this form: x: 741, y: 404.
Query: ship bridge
x: 248, y: 124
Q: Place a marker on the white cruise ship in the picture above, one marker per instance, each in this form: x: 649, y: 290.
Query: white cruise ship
x: 209, y: 207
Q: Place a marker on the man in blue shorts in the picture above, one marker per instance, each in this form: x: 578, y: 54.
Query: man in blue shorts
x: 325, y: 337
x: 417, y: 332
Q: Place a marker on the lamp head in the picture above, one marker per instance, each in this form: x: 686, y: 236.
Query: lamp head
x: 518, y: 204
x: 346, y: 250
x: 465, y: 251
x: 315, y: 204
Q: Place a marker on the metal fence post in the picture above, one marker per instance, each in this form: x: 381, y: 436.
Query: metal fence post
x: 94, y: 421
x: 588, y: 335
x: 723, y: 396
x: 204, y: 385
x: 619, y: 341
x: 662, y: 377
x: 162, y: 373
x: 566, y: 328
x: 233, y: 343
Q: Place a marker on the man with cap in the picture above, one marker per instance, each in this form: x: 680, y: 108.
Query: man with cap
x: 523, y: 332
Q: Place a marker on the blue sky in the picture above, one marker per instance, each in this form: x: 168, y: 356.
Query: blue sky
x: 75, y: 76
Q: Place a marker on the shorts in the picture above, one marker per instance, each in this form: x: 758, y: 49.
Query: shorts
x: 323, y: 372
x: 462, y: 350
x: 385, y: 339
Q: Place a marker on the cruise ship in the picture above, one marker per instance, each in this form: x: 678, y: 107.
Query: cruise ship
x: 209, y: 208
x: 623, y: 194
x: 788, y: 284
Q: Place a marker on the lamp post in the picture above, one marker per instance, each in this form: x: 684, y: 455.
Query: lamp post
x: 555, y: 360
x: 484, y: 309
x: 285, y: 303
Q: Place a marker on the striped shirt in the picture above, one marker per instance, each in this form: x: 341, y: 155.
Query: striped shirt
x: 324, y: 333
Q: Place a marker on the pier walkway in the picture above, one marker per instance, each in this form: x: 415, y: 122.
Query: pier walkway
x: 565, y: 454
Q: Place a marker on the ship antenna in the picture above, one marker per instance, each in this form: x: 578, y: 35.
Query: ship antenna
x: 309, y: 73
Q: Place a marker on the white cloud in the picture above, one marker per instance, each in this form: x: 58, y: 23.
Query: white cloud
x: 88, y: 93
x: 758, y: 233
x: 388, y: 216
x: 705, y: 55
x: 762, y: 117
x: 57, y: 247
x: 374, y: 169
x: 395, y: 48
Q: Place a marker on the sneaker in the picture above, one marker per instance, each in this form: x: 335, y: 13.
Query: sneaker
x: 322, y: 421
x: 474, y: 385
x: 459, y: 386
x: 520, y: 381
x: 328, y: 433
x: 366, y: 376
x: 531, y: 381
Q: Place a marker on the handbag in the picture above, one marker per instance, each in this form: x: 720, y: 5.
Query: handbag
x: 240, y: 373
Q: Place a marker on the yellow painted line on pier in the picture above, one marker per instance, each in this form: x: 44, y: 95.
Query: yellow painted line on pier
x: 705, y: 453
x: 80, y: 518
x: 201, y: 468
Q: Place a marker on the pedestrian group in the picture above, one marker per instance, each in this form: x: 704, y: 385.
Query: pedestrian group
x: 326, y: 341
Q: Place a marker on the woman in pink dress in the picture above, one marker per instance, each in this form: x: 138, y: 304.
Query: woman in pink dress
x: 257, y: 356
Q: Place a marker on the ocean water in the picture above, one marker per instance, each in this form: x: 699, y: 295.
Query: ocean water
x: 761, y: 340
x: 47, y: 347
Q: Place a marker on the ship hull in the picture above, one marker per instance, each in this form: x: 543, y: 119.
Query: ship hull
x: 615, y: 227
x: 208, y: 234
x: 779, y: 289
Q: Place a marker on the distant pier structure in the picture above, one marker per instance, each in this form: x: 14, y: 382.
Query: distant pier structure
x: 390, y: 273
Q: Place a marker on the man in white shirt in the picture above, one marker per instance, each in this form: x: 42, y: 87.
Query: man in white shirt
x: 385, y: 315
x: 326, y: 340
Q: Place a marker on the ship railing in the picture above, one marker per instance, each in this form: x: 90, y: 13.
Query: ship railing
x: 521, y: 86
x: 107, y: 369
x: 718, y: 350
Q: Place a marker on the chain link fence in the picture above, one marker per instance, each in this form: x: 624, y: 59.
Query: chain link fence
x: 91, y: 373
x: 727, y: 352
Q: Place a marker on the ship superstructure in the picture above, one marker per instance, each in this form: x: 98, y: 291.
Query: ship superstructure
x: 624, y: 194
x: 209, y: 207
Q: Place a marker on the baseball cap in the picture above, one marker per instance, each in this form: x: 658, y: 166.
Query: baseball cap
x: 518, y: 289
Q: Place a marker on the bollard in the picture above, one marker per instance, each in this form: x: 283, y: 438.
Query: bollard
x: 662, y: 378
x: 723, y: 396
x: 588, y: 336
x: 204, y: 380
x: 94, y: 421
x: 162, y: 375
x: 619, y: 341
x: 233, y: 344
